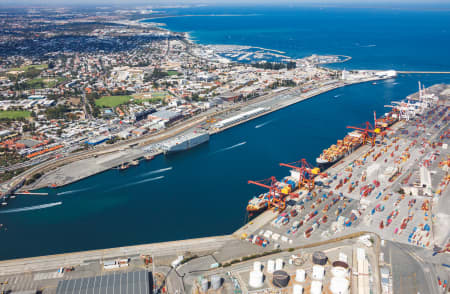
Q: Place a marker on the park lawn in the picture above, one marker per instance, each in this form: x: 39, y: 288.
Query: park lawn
x: 38, y: 83
x: 172, y: 73
x: 14, y: 114
x: 112, y: 101
x: 27, y: 67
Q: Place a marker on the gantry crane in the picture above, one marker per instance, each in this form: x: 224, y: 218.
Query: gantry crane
x: 306, y: 173
x: 276, y: 198
x: 369, y: 133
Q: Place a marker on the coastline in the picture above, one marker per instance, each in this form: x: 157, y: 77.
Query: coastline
x: 135, y: 155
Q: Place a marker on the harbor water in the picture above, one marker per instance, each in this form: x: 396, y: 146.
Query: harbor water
x: 204, y: 191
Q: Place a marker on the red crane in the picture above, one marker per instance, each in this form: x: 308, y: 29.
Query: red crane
x: 306, y: 172
x: 277, y: 199
x: 366, y: 136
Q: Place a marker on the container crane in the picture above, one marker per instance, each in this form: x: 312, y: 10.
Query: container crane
x: 369, y: 133
x: 306, y: 173
x: 277, y: 199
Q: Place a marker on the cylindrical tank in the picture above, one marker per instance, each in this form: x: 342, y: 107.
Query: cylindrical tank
x: 316, y: 287
x: 278, y: 264
x: 205, y: 285
x: 319, y: 258
x: 339, y: 272
x: 257, y: 266
x: 300, y: 275
x: 339, y: 263
x: 339, y: 285
x: 270, y: 266
x: 298, y: 289
x: 318, y: 272
x: 256, y: 279
x: 280, y: 279
x: 216, y: 282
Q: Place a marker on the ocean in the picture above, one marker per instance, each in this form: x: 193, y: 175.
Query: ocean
x: 204, y: 191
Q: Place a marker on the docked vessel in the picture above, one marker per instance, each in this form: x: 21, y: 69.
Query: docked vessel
x: 185, y: 142
x: 123, y: 166
x: 134, y: 162
x: 149, y: 157
x: 258, y: 203
x: 339, y: 150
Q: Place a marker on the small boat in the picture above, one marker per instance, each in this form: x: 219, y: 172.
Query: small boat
x: 149, y: 157
x: 123, y: 166
x: 12, y: 196
x: 134, y: 163
x: 4, y: 203
x: 374, y: 83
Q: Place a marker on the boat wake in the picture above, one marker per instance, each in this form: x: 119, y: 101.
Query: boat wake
x: 74, y: 191
x: 135, y: 183
x: 338, y: 95
x: 155, y: 172
x: 36, y: 207
x: 231, y: 147
x: 263, y: 124
x: 369, y: 46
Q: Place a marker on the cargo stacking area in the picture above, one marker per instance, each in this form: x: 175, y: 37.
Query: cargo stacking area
x: 391, y: 185
x: 370, y: 216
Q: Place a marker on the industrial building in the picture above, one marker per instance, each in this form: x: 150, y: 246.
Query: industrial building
x: 133, y: 282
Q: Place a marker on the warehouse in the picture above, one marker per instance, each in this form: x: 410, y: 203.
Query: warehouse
x: 133, y: 282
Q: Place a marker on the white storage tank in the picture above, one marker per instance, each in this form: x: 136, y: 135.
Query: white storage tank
x: 316, y: 287
x: 256, y: 279
x: 257, y: 266
x: 270, y: 266
x: 298, y: 289
x: 318, y: 272
x: 339, y: 285
x: 278, y: 264
x: 339, y: 272
x: 205, y: 285
x: 216, y: 282
x: 300, y: 275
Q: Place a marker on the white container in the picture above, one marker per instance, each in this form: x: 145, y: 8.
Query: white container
x: 318, y: 272
x: 316, y: 287
x: 339, y: 286
x: 339, y: 272
x: 257, y: 266
x: 278, y: 264
x: 343, y: 257
x: 270, y: 266
x: 298, y: 289
x: 256, y: 279
x: 300, y: 275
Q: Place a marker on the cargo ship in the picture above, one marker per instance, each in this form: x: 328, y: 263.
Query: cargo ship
x: 258, y: 203
x: 185, y: 142
x: 342, y: 148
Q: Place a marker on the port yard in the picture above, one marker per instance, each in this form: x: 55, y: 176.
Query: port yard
x: 104, y: 158
x: 393, y: 187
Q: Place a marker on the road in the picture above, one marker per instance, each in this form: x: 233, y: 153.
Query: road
x: 52, y: 262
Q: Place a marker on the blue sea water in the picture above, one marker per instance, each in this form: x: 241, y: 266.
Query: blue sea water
x: 204, y: 191
x: 376, y: 38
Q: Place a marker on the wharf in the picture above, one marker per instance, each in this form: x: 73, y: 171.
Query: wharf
x: 76, y: 170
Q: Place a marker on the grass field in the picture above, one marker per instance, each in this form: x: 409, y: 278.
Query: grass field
x: 27, y: 67
x: 38, y: 83
x: 112, y: 101
x: 172, y: 72
x: 14, y: 114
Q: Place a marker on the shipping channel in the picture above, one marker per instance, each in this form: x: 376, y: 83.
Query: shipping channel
x: 200, y: 192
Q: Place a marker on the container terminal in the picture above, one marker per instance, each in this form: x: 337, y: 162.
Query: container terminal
x: 67, y: 170
x: 373, y: 222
